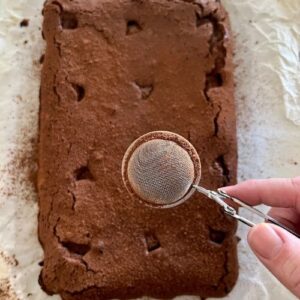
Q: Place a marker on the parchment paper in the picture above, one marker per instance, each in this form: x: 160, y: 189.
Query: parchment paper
x: 267, y: 35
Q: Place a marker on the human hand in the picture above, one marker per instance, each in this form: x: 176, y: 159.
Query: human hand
x: 276, y: 248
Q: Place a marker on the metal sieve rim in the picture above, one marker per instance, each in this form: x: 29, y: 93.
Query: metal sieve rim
x: 168, y: 136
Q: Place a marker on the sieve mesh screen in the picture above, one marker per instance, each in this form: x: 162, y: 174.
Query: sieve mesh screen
x: 160, y: 171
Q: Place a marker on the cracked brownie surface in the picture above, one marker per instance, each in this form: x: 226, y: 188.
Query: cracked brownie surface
x: 113, y: 71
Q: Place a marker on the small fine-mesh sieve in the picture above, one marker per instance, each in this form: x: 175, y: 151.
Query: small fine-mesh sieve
x: 161, y: 168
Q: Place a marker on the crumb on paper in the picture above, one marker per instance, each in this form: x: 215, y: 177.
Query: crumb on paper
x: 24, y: 23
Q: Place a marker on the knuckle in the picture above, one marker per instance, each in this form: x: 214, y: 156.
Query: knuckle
x: 295, y: 182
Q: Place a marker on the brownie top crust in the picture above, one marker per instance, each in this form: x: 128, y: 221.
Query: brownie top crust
x: 113, y: 71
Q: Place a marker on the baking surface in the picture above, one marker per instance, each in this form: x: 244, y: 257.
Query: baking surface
x: 268, y: 109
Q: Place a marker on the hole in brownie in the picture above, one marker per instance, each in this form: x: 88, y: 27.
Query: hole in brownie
x: 217, y: 236
x: 100, y: 248
x: 216, y: 123
x: 145, y: 90
x: 152, y: 242
x: 24, y: 23
x: 42, y: 58
x: 222, y: 166
x: 214, y: 80
x: 133, y: 27
x: 68, y: 20
x: 80, y: 249
x: 41, y: 263
x: 80, y: 91
x: 73, y: 197
x: 201, y: 21
x: 83, y: 173
x: 218, y: 79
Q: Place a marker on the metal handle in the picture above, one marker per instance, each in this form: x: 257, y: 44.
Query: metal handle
x: 232, y: 212
x: 256, y: 212
x: 219, y: 198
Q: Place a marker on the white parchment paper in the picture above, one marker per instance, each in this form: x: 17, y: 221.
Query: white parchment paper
x: 267, y: 35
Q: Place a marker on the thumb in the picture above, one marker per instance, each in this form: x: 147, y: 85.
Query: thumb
x: 279, y: 251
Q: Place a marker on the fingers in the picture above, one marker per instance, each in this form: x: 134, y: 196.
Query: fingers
x: 273, y: 192
x: 279, y: 251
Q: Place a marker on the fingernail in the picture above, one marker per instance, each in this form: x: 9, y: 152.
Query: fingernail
x: 226, y: 189
x: 265, y: 241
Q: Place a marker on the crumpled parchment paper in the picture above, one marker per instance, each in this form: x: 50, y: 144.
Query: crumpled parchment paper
x: 267, y: 35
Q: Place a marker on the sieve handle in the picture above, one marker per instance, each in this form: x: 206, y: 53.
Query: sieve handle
x: 254, y: 211
x: 220, y: 197
x: 234, y: 214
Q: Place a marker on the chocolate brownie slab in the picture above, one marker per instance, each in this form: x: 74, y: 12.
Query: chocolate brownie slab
x: 113, y: 71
